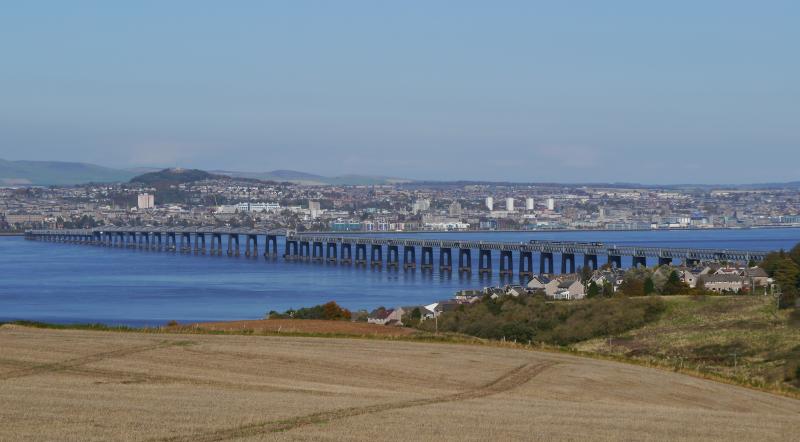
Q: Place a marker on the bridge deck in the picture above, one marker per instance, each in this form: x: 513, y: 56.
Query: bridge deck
x: 558, y: 247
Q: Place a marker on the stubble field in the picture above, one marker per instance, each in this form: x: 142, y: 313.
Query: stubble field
x: 90, y: 385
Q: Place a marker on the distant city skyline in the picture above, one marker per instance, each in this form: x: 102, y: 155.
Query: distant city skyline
x: 618, y: 91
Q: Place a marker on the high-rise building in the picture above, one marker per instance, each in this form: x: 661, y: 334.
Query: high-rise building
x: 490, y: 203
x: 145, y: 201
x: 551, y: 204
x: 455, y: 209
x: 313, y: 208
x: 510, y: 204
x: 528, y: 203
x: 421, y: 205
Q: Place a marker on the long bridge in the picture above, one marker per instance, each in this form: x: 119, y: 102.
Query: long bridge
x: 354, y: 249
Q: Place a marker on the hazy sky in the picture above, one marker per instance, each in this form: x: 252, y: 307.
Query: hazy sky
x: 656, y: 92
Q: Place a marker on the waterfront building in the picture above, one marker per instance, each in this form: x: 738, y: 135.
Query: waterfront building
x: 509, y: 204
x: 529, y: 203
x: 490, y: 203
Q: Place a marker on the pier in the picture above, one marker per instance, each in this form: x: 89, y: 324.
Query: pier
x: 383, y: 252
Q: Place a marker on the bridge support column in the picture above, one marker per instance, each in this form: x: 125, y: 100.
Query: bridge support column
x: 305, y: 250
x: 567, y: 263
x: 465, y: 261
x: 347, y: 253
x: 546, y: 263
x: 392, y: 257
x: 506, y: 263
x: 186, y: 242
x: 484, y: 262
x: 445, y: 259
x: 233, y: 244
x: 526, y: 265
x: 361, y: 254
x: 691, y: 262
x: 330, y: 249
x: 639, y: 261
x: 662, y: 261
x: 317, y: 252
x: 615, y: 261
x: 271, y: 246
x: 590, y: 261
x: 409, y: 257
x: 254, y: 239
x: 427, y: 258
x: 376, y: 256
x: 291, y: 250
x: 200, y: 242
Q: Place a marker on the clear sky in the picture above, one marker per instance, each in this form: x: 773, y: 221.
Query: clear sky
x: 639, y: 91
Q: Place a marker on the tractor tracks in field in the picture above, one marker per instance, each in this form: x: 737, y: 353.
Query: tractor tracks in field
x: 508, y: 381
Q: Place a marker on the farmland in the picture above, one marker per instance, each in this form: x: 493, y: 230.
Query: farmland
x: 95, y: 385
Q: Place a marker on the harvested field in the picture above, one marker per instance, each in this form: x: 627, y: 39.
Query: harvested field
x: 91, y: 385
x: 306, y: 326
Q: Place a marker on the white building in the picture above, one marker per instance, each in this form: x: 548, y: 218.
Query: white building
x: 551, y: 204
x: 421, y: 205
x: 455, y: 209
x: 490, y: 203
x: 314, y: 209
x: 509, y: 204
x: 145, y: 201
x: 258, y: 207
x: 529, y: 204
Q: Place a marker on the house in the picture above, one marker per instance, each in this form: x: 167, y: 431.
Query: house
x: 756, y: 276
x: 538, y: 282
x: 690, y: 278
x: 392, y: 316
x: 425, y: 312
x: 723, y: 283
x: 573, y: 287
x: 516, y: 291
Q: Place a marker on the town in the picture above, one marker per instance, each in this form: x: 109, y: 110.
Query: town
x: 178, y: 197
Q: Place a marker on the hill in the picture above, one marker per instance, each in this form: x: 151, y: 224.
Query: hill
x: 293, y: 176
x: 96, y: 385
x: 57, y: 173
x: 174, y: 176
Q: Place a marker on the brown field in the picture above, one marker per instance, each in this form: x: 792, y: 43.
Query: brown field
x: 305, y: 326
x: 91, y: 385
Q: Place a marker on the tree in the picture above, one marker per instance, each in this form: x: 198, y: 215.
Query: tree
x: 782, y: 267
x: 674, y: 285
x: 608, y: 289
x: 649, y: 286
x: 593, y: 290
x: 586, y: 274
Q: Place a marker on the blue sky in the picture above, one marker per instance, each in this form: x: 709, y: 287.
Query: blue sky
x: 653, y: 92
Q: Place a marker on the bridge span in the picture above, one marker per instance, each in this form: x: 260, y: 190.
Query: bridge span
x: 369, y: 251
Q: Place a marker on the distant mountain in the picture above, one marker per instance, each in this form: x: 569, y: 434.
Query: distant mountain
x: 58, y: 173
x: 174, y: 176
x: 293, y: 176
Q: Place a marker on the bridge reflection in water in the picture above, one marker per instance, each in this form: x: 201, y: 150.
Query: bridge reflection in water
x: 369, y: 251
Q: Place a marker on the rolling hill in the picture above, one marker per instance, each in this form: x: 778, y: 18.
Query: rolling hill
x: 59, y: 173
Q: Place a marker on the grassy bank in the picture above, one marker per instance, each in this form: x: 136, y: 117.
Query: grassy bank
x: 742, y: 339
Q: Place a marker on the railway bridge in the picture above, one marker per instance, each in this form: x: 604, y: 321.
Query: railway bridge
x: 364, y: 250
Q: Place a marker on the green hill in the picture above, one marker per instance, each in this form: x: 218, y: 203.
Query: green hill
x: 174, y: 176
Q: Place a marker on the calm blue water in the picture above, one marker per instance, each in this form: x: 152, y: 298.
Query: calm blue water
x: 71, y: 283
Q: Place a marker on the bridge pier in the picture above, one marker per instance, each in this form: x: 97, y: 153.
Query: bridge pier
x: 376, y: 256
x: 247, y: 252
x: 567, y: 263
x: 615, y: 261
x: 409, y: 257
x: 691, y: 262
x: 330, y: 249
x: 200, y: 243
x: 172, y: 242
x: 662, y: 261
x: 546, y: 263
x: 347, y: 253
x: 590, y: 261
x: 392, y: 257
x: 506, y: 263
x: 526, y: 264
x: 484, y: 262
x: 361, y: 254
x: 427, y: 258
x: 445, y: 259
x: 465, y: 261
x: 316, y: 251
x: 639, y: 261
x: 186, y: 242
x: 291, y: 250
x: 305, y: 251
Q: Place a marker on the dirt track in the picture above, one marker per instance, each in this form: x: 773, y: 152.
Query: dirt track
x: 82, y: 385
